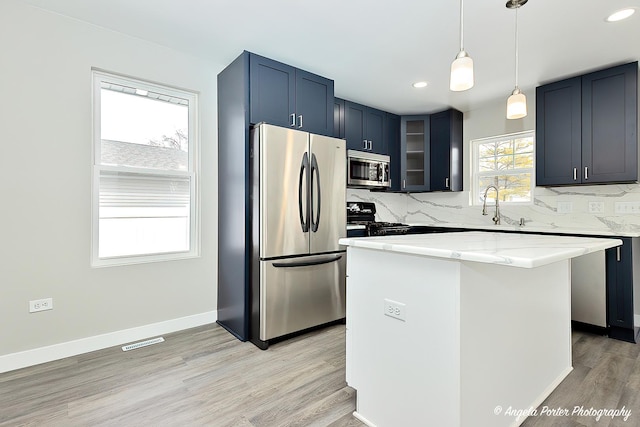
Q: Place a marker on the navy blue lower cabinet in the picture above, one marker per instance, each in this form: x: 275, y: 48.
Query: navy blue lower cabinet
x: 620, y: 311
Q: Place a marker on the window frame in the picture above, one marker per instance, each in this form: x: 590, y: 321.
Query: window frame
x: 98, y: 76
x: 475, y: 166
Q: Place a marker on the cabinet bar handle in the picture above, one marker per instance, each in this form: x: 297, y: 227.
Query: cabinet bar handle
x: 575, y: 174
x: 446, y: 183
x: 293, y: 119
x: 300, y: 120
x: 404, y: 183
x: 586, y: 172
x: 370, y: 145
x: 364, y: 144
x: 618, y: 253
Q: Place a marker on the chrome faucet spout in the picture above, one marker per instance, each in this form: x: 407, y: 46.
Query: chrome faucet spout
x: 496, y: 216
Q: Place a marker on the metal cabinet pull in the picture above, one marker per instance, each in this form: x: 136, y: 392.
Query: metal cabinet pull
x: 404, y: 183
x: 446, y: 183
x: 293, y: 119
x: 300, y: 120
x: 618, y: 253
x: 575, y: 174
x: 586, y: 172
x: 364, y: 144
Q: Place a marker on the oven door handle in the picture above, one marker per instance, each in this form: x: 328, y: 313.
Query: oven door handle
x: 307, y: 263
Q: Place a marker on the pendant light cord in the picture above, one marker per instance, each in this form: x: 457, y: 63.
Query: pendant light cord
x: 461, y: 25
x: 517, y: 46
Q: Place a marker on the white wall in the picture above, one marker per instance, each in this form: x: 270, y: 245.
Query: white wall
x: 45, y: 181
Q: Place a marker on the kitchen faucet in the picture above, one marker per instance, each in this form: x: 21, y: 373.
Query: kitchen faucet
x: 496, y: 216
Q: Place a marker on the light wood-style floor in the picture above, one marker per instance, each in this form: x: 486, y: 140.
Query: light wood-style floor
x: 205, y: 377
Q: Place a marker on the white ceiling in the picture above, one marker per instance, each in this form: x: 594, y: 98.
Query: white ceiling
x: 375, y: 50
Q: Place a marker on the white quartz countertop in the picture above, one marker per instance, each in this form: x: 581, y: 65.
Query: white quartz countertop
x: 510, y: 249
x: 529, y: 228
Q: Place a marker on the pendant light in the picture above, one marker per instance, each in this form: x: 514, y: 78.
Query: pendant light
x: 462, y: 67
x: 517, y: 102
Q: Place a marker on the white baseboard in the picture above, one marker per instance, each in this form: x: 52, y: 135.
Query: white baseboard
x: 36, y: 356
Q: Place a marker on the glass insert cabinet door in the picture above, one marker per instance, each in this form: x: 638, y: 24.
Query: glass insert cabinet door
x: 414, y: 142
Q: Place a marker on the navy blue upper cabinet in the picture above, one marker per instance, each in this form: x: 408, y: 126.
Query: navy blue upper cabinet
x: 365, y: 128
x: 559, y: 132
x: 393, y: 147
x: 609, y: 125
x: 286, y: 96
x: 446, y: 151
x: 586, y: 128
x: 415, y: 153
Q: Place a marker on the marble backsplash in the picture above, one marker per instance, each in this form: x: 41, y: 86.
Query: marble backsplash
x: 603, y: 208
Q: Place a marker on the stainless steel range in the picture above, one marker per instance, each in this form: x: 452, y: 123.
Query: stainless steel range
x: 361, y: 221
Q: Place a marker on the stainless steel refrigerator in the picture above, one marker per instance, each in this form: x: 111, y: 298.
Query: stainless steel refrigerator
x: 298, y: 185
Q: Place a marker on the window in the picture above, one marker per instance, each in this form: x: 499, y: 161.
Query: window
x: 507, y: 162
x: 144, y: 174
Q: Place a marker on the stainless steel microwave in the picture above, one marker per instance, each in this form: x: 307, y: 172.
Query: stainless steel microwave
x: 367, y: 170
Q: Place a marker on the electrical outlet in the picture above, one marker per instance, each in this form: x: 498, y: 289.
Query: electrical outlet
x: 596, y: 207
x: 627, y: 207
x: 395, y: 309
x: 40, y: 305
x: 564, y: 207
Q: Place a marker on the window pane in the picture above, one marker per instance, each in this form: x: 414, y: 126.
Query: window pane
x: 524, y: 145
x: 486, y: 165
x: 486, y: 150
x: 504, y: 162
x: 523, y: 161
x: 143, y: 214
x: 504, y: 148
x: 145, y: 131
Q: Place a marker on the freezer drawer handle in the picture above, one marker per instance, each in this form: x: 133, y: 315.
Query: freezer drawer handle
x: 304, y: 214
x: 315, y: 172
x: 307, y: 263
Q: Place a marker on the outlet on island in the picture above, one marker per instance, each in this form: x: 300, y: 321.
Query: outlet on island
x: 40, y: 305
x: 395, y: 309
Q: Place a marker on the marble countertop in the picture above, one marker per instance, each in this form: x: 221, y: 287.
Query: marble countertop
x: 510, y: 249
x: 532, y: 229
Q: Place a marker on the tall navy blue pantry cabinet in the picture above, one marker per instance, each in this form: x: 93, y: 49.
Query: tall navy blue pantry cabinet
x: 255, y: 89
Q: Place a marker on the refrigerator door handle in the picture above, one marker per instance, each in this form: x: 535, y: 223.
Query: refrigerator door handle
x: 304, y: 212
x: 307, y: 263
x: 315, y: 172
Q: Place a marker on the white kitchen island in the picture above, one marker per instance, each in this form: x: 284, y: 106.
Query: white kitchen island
x: 482, y: 329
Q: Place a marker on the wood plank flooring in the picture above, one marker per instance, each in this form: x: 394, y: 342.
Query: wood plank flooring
x: 205, y: 377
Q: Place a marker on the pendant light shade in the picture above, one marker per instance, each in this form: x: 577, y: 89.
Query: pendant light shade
x: 516, y: 105
x: 462, y: 67
x: 461, y: 72
x: 517, y: 102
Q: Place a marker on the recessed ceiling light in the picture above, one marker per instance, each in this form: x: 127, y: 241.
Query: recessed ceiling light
x: 420, y: 84
x: 621, y: 14
x: 141, y: 92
